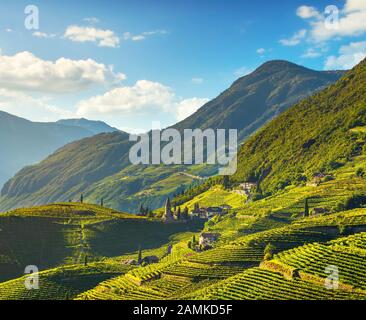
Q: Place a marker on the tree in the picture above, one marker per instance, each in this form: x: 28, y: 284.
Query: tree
x: 142, y: 209
x: 85, y: 260
x: 139, y: 256
x: 269, y: 251
x: 179, y: 214
x: 81, y: 198
x: 226, y: 182
x: 306, y: 209
x: 295, y: 274
x: 189, y: 244
x: 102, y: 202
x: 360, y: 173
x: 185, y: 213
x: 170, y: 249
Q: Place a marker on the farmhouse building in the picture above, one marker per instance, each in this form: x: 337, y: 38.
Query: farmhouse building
x: 207, y: 239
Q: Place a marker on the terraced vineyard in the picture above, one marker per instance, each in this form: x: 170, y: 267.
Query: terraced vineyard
x: 313, y: 259
x: 61, y: 283
x: 126, y: 289
x: 236, y: 267
x: 234, y: 254
x: 217, y: 196
x: 196, y: 270
x: 259, y: 284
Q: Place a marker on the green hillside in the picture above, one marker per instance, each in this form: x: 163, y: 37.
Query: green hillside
x: 60, y: 234
x: 240, y: 265
x: 62, y: 283
x: 316, y: 135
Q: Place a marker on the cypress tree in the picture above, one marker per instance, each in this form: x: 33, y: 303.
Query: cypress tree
x: 139, y: 257
x: 226, y: 182
x: 185, y: 213
x: 306, y: 210
x: 81, y: 198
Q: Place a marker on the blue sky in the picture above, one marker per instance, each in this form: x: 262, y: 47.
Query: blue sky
x: 168, y: 56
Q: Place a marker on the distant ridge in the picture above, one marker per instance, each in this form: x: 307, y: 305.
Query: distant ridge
x: 95, y: 127
x: 24, y: 142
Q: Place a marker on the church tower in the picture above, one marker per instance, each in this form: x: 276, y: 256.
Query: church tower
x: 168, y: 215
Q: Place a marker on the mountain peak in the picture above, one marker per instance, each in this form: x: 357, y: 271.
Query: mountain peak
x: 279, y: 65
x: 95, y: 127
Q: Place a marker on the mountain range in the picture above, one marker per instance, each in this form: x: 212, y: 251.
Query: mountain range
x: 25, y: 142
x: 99, y: 166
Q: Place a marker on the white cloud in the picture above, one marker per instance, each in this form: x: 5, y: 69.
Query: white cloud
x: 355, y: 5
x: 349, y: 56
x: 261, y: 51
x: 8, y: 30
x: 351, y: 21
x: 39, y: 34
x: 26, y: 106
x: 91, y: 20
x: 306, y: 12
x: 143, y: 35
x: 197, y: 80
x: 154, y: 32
x: 189, y: 106
x: 145, y: 97
x: 138, y: 38
x: 104, y: 38
x: 25, y: 71
x: 311, y: 53
x: 295, y: 39
x: 242, y: 71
